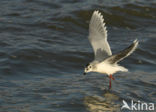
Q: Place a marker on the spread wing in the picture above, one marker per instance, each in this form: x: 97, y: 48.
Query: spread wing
x: 98, y: 37
x: 122, y: 54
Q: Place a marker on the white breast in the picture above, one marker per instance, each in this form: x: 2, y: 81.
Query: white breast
x: 109, y: 69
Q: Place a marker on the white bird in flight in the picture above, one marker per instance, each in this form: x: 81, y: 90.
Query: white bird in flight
x: 104, y: 62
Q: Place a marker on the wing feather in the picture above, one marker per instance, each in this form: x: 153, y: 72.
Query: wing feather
x: 123, y: 54
x: 98, y: 37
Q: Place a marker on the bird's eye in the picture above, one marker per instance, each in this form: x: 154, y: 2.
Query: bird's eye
x: 89, y: 66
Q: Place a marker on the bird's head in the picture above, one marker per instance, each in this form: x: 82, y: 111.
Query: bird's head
x: 88, y: 68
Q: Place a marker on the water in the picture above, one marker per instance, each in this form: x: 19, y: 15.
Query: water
x: 44, y: 47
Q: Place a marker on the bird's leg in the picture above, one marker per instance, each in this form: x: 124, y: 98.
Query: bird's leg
x: 110, y: 84
x: 111, y: 77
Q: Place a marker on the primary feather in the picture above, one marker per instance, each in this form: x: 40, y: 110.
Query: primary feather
x: 122, y: 54
x: 98, y: 37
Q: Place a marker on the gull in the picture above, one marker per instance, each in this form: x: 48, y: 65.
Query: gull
x: 104, y: 62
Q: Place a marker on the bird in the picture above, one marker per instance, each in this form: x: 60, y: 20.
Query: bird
x: 104, y: 61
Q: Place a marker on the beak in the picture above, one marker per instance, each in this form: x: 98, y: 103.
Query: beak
x: 84, y: 73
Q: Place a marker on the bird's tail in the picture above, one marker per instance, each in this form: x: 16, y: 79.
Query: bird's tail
x: 123, y: 69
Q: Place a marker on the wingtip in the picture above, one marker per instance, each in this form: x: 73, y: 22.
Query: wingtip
x: 136, y: 41
x: 97, y: 12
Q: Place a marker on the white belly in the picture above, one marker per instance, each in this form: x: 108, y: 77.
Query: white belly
x: 109, y: 69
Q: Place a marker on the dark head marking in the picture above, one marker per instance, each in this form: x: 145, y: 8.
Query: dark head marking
x: 87, y: 65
